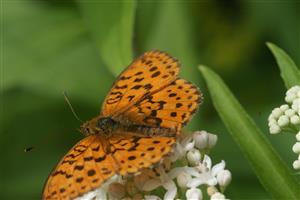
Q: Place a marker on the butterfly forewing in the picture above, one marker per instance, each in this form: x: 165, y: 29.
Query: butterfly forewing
x: 147, y: 74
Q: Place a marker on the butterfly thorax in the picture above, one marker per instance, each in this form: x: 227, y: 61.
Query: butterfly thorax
x: 100, y: 125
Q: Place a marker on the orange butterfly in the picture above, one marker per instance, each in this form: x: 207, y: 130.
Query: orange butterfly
x: 140, y: 119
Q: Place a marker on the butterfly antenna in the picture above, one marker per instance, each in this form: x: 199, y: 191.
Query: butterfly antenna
x: 71, y: 107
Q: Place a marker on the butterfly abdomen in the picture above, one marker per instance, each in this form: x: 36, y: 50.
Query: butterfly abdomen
x: 150, y: 131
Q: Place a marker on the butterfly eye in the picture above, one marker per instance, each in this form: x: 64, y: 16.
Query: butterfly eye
x: 85, y: 130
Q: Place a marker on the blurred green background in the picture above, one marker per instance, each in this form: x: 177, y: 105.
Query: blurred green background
x: 48, y: 47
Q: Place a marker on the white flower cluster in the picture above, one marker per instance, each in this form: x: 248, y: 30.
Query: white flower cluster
x: 296, y: 149
x: 197, y: 171
x: 286, y: 118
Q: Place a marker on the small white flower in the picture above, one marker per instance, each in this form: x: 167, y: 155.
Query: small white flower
x: 272, y: 122
x: 271, y: 117
x: 171, y: 188
x: 298, y: 136
x: 283, y: 121
x: 193, y: 156
x: 274, y: 129
x: 206, y: 174
x: 284, y: 107
x: 204, y: 139
x: 295, y: 119
x: 296, y: 164
x: 182, y: 179
x: 101, y: 192
x: 194, y: 194
x: 276, y: 113
x: 201, y: 139
x: 289, y: 112
x: 224, y: 178
x: 189, y: 145
x: 217, y: 196
x: 295, y: 104
x: 212, y: 140
x: 296, y: 148
x: 290, y: 97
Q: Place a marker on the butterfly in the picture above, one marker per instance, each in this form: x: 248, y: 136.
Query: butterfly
x: 140, y: 120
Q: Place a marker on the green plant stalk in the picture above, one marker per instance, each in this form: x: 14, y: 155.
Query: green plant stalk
x: 288, y: 69
x: 272, y: 172
x: 111, y: 26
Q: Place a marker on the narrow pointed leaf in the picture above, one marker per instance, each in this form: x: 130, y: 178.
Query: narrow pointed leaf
x: 272, y: 172
x: 288, y: 69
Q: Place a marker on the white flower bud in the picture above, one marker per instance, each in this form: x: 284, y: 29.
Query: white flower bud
x: 293, y: 90
x: 201, y: 139
x: 272, y: 122
x: 194, y: 193
x: 274, y: 129
x: 296, y: 148
x: 212, y: 140
x: 193, y: 156
x: 289, y: 112
x: 204, y: 140
x: 290, y: 97
x: 295, y: 119
x: 217, y: 196
x: 284, y: 107
x: 271, y: 117
x: 298, y: 136
x: 295, y: 106
x: 276, y: 112
x: 224, y: 178
x: 283, y: 121
x: 296, y: 164
x: 190, y: 145
x: 182, y: 179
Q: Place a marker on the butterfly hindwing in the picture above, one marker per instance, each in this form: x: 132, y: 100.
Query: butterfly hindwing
x: 85, y: 167
x: 134, y: 153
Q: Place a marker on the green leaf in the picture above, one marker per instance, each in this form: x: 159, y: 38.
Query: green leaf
x: 288, y: 69
x: 111, y: 25
x: 57, y: 56
x: 269, y: 168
